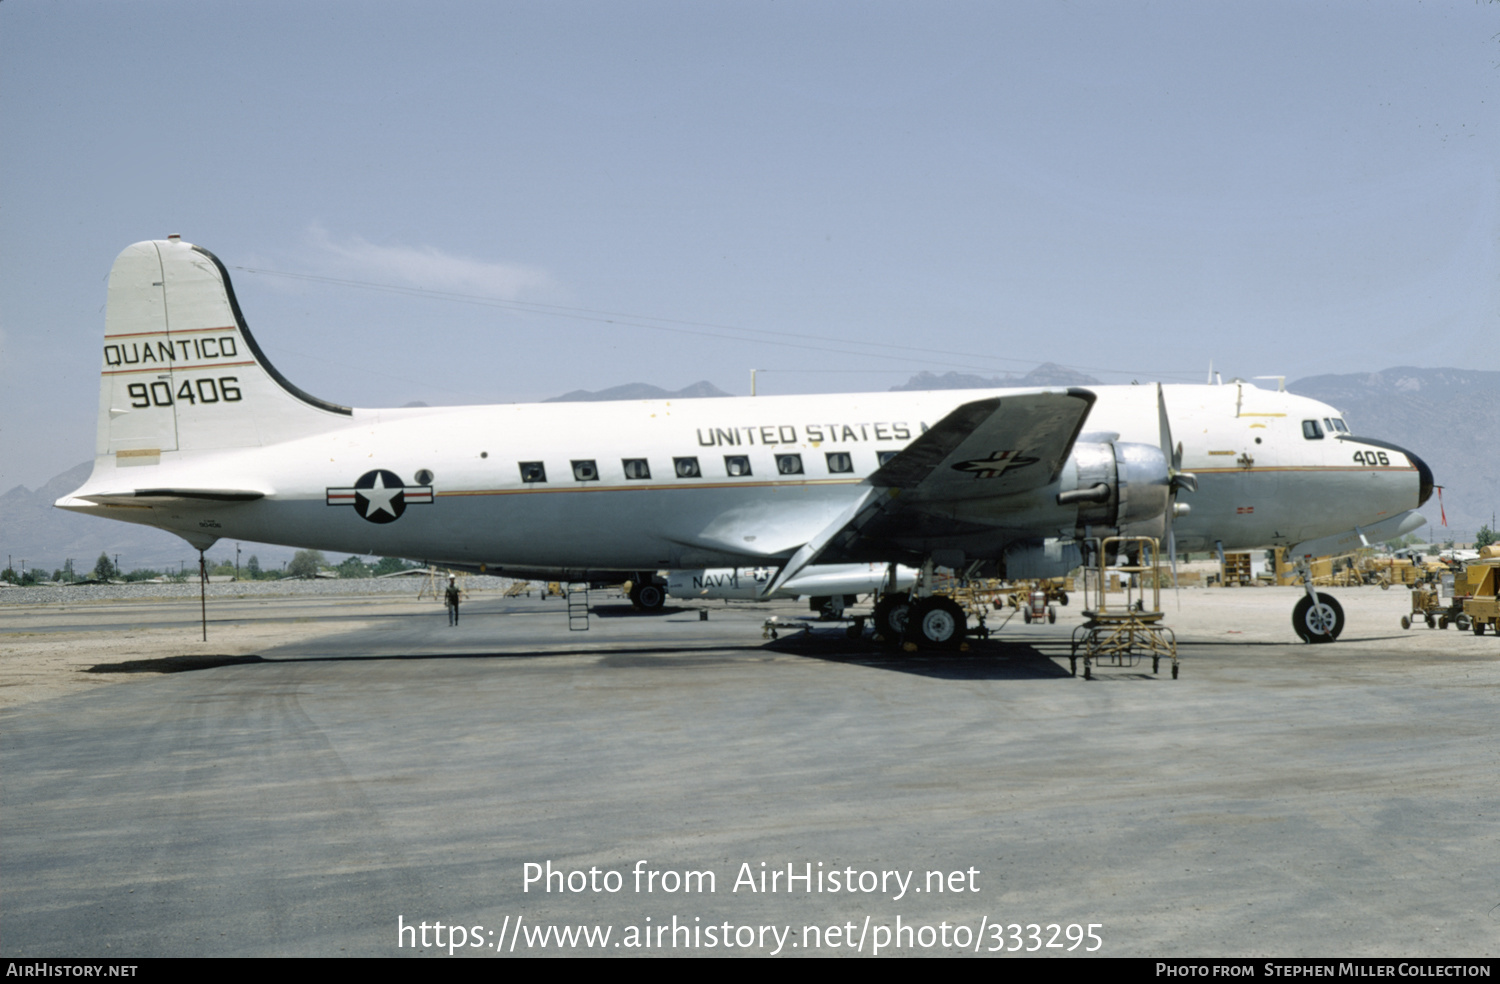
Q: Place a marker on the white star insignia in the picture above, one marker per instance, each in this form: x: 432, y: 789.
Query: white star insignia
x: 379, y: 498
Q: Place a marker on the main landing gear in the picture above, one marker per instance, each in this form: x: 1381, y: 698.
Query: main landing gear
x: 937, y: 622
x: 646, y: 594
x: 921, y: 621
x: 891, y: 615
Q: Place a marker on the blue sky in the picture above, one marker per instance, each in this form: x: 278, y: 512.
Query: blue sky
x: 838, y: 193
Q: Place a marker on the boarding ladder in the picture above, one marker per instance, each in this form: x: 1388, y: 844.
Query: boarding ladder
x: 578, y: 606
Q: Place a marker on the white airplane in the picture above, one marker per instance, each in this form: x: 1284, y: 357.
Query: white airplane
x: 830, y: 588
x: 199, y: 434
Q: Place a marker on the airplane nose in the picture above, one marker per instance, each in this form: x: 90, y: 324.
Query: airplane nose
x: 1424, y: 476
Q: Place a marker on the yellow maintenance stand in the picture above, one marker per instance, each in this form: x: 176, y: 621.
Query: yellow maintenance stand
x: 1482, y: 579
x: 1127, y: 630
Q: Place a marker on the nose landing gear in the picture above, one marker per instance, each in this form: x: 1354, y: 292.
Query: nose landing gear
x: 1318, y: 621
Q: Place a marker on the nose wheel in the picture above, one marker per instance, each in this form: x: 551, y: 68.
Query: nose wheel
x: 1319, y: 621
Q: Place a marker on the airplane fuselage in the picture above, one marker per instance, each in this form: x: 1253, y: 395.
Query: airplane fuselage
x: 709, y: 482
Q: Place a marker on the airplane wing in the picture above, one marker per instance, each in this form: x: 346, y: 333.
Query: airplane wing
x: 989, y: 448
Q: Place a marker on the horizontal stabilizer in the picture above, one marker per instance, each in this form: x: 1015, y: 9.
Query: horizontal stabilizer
x: 174, y: 495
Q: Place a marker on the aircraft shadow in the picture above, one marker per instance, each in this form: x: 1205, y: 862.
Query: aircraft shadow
x: 174, y: 664
x: 635, y: 656
x: 987, y: 659
x: 630, y: 611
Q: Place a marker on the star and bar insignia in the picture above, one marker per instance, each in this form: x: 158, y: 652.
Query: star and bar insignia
x: 997, y: 464
x: 380, y: 496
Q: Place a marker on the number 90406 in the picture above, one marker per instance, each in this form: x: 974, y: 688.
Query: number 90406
x: 224, y: 389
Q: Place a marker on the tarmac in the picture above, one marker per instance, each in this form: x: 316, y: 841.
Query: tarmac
x: 365, y: 774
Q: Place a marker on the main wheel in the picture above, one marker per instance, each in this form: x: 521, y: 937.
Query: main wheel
x: 1318, y: 623
x: 891, y: 614
x: 647, y: 597
x: 937, y: 623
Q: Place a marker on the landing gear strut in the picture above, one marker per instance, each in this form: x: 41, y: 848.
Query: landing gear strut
x: 1317, y: 617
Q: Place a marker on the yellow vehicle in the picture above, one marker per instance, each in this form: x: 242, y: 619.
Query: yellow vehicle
x: 1482, y: 580
x: 1427, y: 606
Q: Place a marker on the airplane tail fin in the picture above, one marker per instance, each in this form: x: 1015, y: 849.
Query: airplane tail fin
x: 181, y: 370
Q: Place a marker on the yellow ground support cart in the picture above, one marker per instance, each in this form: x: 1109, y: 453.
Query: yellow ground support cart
x: 1427, y: 606
x: 1483, y: 582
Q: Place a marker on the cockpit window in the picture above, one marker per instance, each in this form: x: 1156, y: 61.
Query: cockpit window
x: 1311, y: 430
x: 1338, y: 425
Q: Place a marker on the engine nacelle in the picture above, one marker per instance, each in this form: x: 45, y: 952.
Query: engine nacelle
x: 1120, y: 488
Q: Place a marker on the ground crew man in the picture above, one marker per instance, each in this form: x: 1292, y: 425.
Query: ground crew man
x: 451, y: 598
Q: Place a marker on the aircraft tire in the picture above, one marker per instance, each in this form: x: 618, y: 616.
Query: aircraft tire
x: 937, y: 623
x: 891, y: 615
x: 648, y: 597
x: 1318, y: 623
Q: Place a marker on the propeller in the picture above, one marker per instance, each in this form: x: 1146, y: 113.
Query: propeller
x: 1177, y: 479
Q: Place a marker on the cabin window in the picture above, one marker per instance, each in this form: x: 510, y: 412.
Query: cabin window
x: 886, y: 456
x: 1311, y: 430
x: 586, y: 471
x: 840, y: 462
x: 789, y: 464
x: 636, y: 468
x: 737, y: 464
x: 686, y: 467
x: 533, y: 471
